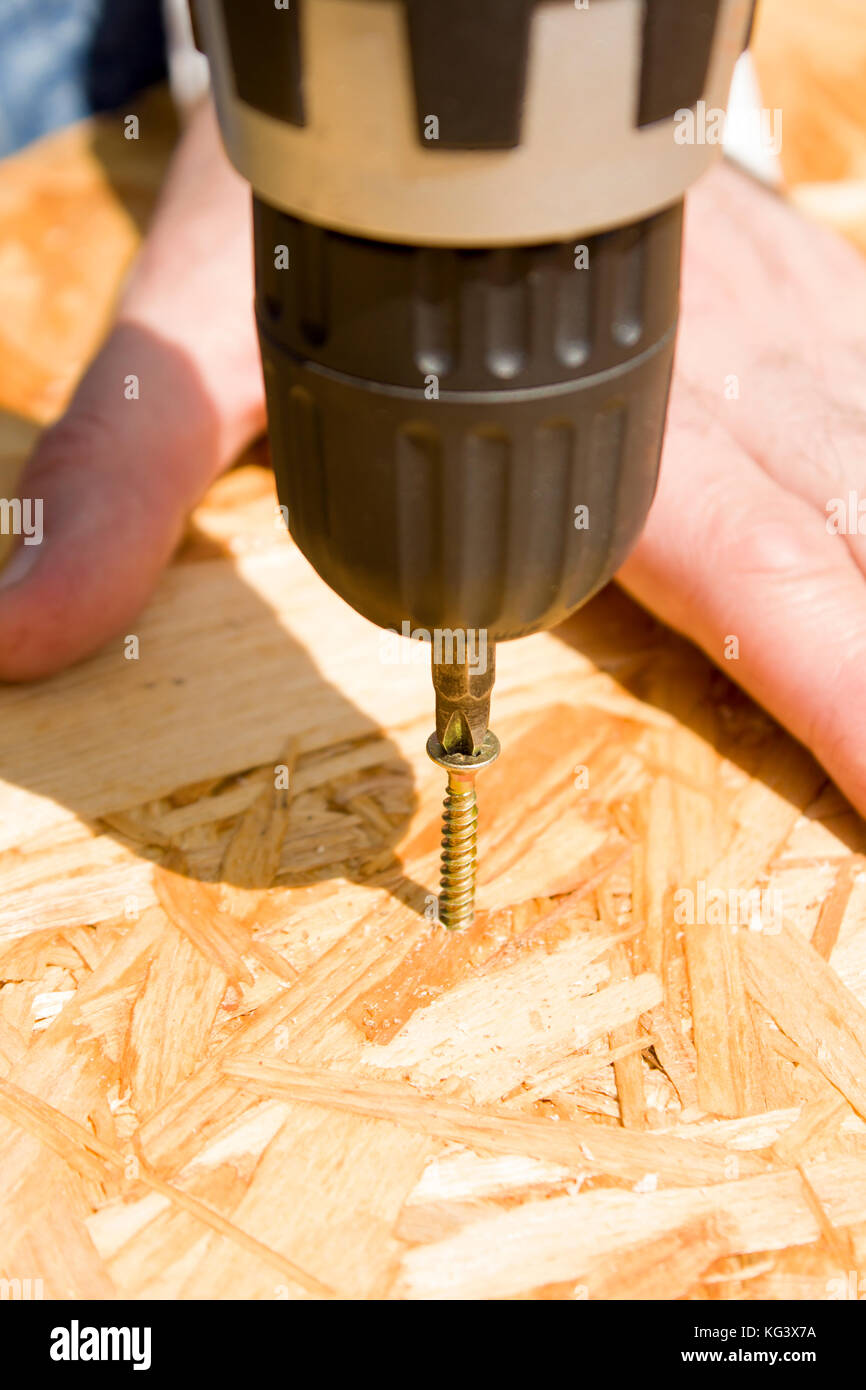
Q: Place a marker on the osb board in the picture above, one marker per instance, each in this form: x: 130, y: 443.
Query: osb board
x: 236, y: 1061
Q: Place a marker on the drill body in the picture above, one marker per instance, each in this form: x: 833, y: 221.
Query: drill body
x: 467, y: 225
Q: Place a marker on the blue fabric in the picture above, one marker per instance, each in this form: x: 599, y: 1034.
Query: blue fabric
x: 60, y: 60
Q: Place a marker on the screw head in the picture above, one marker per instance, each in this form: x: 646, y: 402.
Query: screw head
x: 466, y: 763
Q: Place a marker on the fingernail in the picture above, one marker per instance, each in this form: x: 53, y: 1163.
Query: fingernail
x: 20, y: 565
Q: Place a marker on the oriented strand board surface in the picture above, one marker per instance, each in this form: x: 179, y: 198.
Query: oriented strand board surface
x: 237, y: 1062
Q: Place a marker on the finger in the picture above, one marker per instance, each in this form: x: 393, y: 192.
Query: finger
x: 111, y: 484
x: 796, y: 282
x: 193, y: 283
x: 729, y: 554
x: 791, y: 322
x: 174, y: 395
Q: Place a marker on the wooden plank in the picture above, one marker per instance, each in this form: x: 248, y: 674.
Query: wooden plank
x: 237, y: 1061
x: 580, y: 1146
x: 541, y: 1243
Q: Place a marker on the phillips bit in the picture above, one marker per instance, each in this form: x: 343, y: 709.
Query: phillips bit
x: 462, y: 745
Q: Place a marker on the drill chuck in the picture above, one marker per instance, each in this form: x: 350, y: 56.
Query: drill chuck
x: 467, y: 439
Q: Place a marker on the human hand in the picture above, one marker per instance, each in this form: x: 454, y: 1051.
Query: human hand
x: 117, y: 476
x: 737, y: 543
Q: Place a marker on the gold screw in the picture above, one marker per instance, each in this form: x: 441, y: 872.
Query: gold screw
x: 459, y: 830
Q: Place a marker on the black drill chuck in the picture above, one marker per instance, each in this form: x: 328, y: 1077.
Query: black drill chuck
x: 466, y: 438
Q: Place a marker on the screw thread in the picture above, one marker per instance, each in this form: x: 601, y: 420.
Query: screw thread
x: 459, y: 855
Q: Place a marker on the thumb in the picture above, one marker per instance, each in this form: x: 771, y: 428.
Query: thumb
x: 105, y: 496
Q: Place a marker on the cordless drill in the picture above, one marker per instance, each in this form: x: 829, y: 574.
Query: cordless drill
x: 467, y: 225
